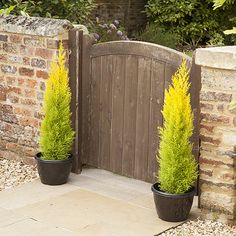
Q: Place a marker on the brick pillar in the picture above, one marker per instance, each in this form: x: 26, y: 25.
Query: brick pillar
x: 218, y: 133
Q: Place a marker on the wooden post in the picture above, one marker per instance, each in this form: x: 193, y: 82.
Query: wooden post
x: 75, y: 73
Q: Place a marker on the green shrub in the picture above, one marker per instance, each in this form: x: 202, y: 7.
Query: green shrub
x: 194, y: 21
x: 178, y: 169
x: 56, y: 134
x: 76, y: 11
x: 153, y: 33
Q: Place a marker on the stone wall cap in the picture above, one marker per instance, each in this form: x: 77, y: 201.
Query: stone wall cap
x: 217, y: 57
x: 34, y: 25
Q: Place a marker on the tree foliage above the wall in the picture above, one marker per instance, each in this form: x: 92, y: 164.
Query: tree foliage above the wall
x: 194, y: 21
x: 76, y: 11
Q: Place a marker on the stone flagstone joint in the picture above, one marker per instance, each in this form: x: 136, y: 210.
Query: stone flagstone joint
x: 218, y: 133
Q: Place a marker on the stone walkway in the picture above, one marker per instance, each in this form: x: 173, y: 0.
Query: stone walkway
x: 94, y: 203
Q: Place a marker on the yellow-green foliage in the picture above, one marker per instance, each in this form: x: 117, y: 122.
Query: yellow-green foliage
x: 56, y: 134
x: 178, y: 169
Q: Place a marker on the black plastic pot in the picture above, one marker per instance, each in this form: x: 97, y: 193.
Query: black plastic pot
x: 172, y: 207
x: 53, y: 172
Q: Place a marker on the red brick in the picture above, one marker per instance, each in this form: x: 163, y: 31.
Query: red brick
x: 22, y: 111
x: 28, y: 101
x: 206, y: 172
x: 29, y: 93
x: 3, y: 57
x: 44, y: 53
x: 14, y: 38
x: 215, y: 118
x: 207, y: 106
x: 11, y: 80
x: 10, y: 48
x: 212, y: 162
x: 26, y: 61
x: 220, y: 107
x: 211, y: 140
x: 38, y: 115
x: 8, y: 69
x: 31, y: 83
x: 26, y: 51
x: 42, y: 74
x: 208, y: 128
x: 29, y: 122
x: 3, y: 38
x: 35, y: 62
x: 6, y: 108
x: 14, y: 90
x: 34, y: 41
x: 20, y: 81
x: 15, y: 59
x: 13, y: 99
x: 3, y: 93
x: 213, y: 96
x: 26, y: 71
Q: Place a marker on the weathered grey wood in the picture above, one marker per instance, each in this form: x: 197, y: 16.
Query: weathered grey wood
x: 142, y: 118
x: 105, y: 112
x: 123, y: 95
x: 130, y: 107
x: 74, y: 85
x: 156, y: 119
x: 88, y: 42
x: 137, y: 48
x: 94, y: 124
x: 118, y: 90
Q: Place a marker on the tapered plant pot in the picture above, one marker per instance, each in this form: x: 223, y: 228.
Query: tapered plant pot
x: 172, y: 207
x: 53, y: 172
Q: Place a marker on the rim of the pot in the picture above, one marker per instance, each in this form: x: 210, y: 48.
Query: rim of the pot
x: 38, y: 158
x: 155, y: 189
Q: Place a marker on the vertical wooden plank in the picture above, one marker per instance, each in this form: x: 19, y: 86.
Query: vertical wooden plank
x: 95, y: 112
x: 156, y: 119
x: 142, y: 118
x: 169, y: 72
x: 118, y: 80
x: 105, y: 112
x: 130, y: 106
x: 88, y: 41
x: 74, y: 83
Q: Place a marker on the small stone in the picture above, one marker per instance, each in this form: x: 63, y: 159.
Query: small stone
x: 14, y: 173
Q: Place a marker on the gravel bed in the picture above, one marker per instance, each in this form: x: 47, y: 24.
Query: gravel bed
x: 201, y: 228
x: 13, y: 173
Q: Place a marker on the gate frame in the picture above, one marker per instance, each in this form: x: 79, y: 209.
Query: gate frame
x: 80, y: 45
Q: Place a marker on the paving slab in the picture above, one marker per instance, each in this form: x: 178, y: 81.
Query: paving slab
x: 96, y: 202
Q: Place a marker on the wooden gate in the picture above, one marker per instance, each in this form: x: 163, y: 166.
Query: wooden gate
x: 122, y: 91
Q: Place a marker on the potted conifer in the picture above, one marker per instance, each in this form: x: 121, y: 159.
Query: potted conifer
x: 174, y: 191
x: 54, y: 162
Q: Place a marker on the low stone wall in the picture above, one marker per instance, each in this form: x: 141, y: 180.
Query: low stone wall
x: 218, y: 133
x: 27, y: 46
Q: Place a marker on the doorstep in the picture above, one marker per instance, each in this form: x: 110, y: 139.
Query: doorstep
x: 97, y: 202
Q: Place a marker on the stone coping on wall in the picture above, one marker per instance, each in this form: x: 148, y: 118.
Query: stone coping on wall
x: 217, y: 57
x: 34, y: 25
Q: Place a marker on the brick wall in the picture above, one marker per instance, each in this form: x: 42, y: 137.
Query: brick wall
x: 128, y: 12
x: 218, y: 133
x: 26, y: 49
